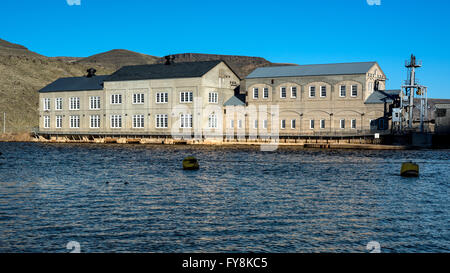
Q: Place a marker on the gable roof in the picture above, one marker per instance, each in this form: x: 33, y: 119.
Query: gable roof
x: 234, y: 101
x: 75, y: 84
x: 162, y: 71
x: 311, y: 70
x: 382, y: 96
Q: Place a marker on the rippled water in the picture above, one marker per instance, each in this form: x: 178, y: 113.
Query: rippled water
x: 241, y: 200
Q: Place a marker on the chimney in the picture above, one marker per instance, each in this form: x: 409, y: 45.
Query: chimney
x: 91, y: 72
x: 169, y: 59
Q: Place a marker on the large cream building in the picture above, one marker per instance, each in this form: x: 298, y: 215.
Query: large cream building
x: 207, y: 100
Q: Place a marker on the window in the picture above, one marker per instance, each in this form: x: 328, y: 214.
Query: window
x: 116, y: 121
x: 322, y: 124
x: 138, y: 121
x: 212, y: 121
x: 74, y: 121
x: 74, y: 103
x: 370, y: 86
x: 46, y: 121
x: 311, y: 124
x: 186, y: 97
x: 116, y: 99
x: 232, y: 123
x: 342, y: 91
x: 58, y: 123
x: 213, y: 97
x: 283, y: 124
x: 58, y: 103
x: 265, y: 124
x: 138, y: 98
x: 255, y: 93
x: 312, y: 91
x: 46, y: 104
x: 186, y: 121
x: 255, y: 124
x: 283, y: 92
x: 94, y: 103
x: 382, y: 124
x: 353, y: 123
x: 354, y: 91
x: 239, y: 124
x: 162, y: 97
x: 293, y: 92
x: 342, y: 123
x: 293, y: 124
x: 323, y: 91
x: 266, y: 93
x: 162, y: 121
x: 95, y: 121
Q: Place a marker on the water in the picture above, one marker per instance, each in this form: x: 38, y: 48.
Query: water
x: 241, y: 200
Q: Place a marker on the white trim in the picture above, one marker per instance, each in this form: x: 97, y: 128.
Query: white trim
x: 188, y: 99
x: 351, y: 124
x: 96, y: 121
x: 281, y: 92
x: 340, y: 91
x: 311, y: 124
x: 293, y: 124
x: 321, y: 91
x: 283, y: 124
x: 257, y: 92
x: 351, y: 90
x: 161, y: 121
x: 324, y: 124
x: 296, y: 92
x: 342, y: 122
x: 162, y: 96
x: 138, y: 98
x: 266, y: 88
x: 310, y: 87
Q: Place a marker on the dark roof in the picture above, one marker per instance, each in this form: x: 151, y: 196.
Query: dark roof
x: 382, y: 96
x: 234, y: 101
x: 75, y: 84
x: 162, y: 71
x: 311, y: 70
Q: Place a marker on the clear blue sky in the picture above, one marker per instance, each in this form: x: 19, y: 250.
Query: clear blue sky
x: 299, y: 31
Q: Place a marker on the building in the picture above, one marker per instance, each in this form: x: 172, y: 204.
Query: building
x: 323, y: 100
x: 207, y: 100
x: 157, y: 100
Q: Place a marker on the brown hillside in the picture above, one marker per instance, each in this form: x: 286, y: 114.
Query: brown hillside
x: 119, y: 57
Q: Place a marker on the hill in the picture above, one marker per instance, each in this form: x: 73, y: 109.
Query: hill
x: 23, y: 73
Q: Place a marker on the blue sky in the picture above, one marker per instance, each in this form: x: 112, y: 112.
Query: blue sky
x: 299, y: 31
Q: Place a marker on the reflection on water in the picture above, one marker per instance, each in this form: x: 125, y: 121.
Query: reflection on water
x: 241, y: 199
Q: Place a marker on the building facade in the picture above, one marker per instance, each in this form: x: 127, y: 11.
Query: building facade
x: 207, y: 100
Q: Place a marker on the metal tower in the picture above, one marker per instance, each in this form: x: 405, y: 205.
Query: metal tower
x: 409, y: 90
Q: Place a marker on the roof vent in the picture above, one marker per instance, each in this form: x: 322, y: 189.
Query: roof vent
x: 169, y: 59
x: 91, y: 72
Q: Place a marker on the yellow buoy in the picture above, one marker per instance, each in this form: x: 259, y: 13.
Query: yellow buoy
x: 409, y: 169
x: 190, y: 163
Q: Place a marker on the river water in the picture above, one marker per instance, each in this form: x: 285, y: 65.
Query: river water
x: 137, y: 198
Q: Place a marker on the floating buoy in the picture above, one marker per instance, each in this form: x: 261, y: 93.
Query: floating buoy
x: 190, y: 163
x: 409, y: 169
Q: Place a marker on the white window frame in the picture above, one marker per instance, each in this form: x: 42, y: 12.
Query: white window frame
x: 283, y: 124
x: 255, y: 93
x: 58, y: 121
x: 94, y: 103
x: 342, y: 88
x: 161, y: 121
x: 186, y: 97
x: 74, y: 103
x: 342, y: 123
x: 265, y: 124
x: 75, y: 121
x: 283, y: 89
x: 255, y: 124
x: 213, y: 97
x: 186, y: 121
x: 231, y: 123
x: 239, y: 124
x: 116, y: 99
x: 138, y: 98
x: 138, y: 121
x: 293, y: 124
x: 94, y: 121
x: 311, y: 90
x: 356, y: 90
x: 46, y: 104
x: 311, y: 124
x: 115, y: 121
x: 162, y: 97
x: 292, y: 92
x: 58, y: 104
x: 265, y: 91
x: 212, y: 121
x: 323, y: 88
x: 46, y: 121
x: 353, y: 124
x: 322, y: 124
